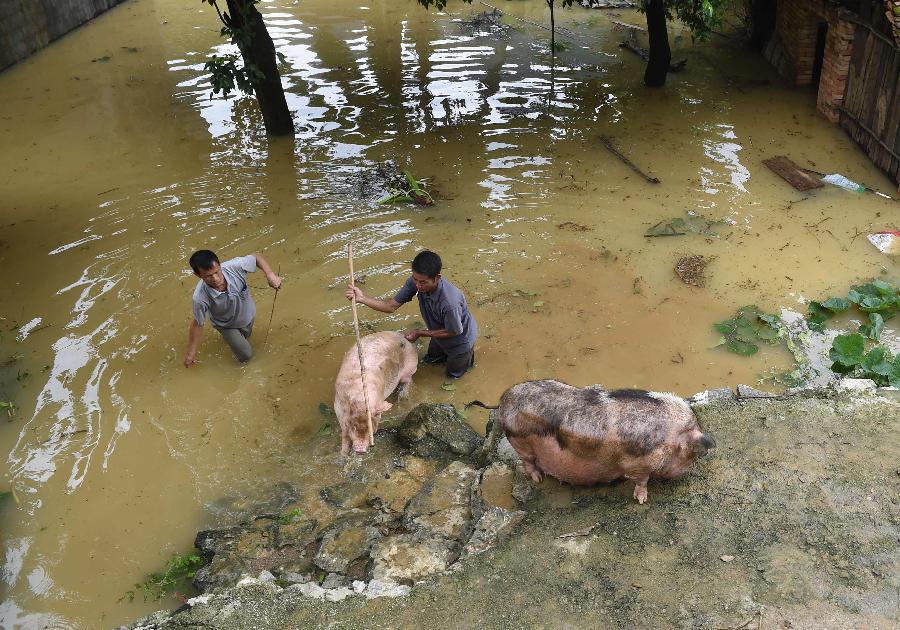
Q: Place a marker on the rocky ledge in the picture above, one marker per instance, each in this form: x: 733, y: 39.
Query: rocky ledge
x: 793, y: 522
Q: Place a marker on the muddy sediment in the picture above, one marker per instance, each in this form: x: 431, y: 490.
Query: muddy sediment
x: 793, y: 521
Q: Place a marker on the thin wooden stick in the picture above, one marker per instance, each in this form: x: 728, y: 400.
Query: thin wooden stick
x: 269, y: 329
x: 607, y: 142
x: 362, y: 366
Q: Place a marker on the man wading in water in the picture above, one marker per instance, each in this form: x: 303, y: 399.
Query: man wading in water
x: 450, y: 324
x: 223, y: 294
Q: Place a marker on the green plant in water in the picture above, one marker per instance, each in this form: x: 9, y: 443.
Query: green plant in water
x: 852, y: 357
x: 8, y: 407
x: 328, y: 417
x: 412, y: 191
x: 179, y: 570
x: 749, y: 327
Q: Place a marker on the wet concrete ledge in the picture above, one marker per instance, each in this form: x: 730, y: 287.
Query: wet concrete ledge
x: 793, y: 522
x: 26, y: 26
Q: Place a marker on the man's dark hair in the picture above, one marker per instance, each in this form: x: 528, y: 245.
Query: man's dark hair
x: 203, y: 259
x: 427, y: 263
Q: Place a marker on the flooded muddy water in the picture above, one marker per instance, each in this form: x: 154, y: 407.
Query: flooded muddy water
x: 116, y: 165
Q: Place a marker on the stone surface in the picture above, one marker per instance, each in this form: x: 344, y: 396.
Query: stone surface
x: 857, y: 385
x: 711, y: 395
x: 344, y: 543
x: 523, y: 489
x: 889, y: 392
x: 393, y: 493
x: 345, y: 495
x: 408, y: 558
x: 443, y: 506
x: 432, y: 429
x: 493, y: 526
x: 496, y: 485
x: 506, y: 452
x: 377, y: 588
x: 745, y: 391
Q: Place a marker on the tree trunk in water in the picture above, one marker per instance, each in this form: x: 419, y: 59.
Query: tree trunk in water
x: 552, y: 31
x: 260, y: 52
x: 660, y: 54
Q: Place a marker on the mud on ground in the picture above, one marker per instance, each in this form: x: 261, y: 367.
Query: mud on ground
x: 792, y: 522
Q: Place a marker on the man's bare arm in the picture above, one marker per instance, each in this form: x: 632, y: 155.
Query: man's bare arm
x: 385, y: 306
x: 271, y: 276
x: 194, y: 334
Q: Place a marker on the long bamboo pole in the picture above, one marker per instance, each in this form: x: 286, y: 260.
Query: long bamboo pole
x: 362, y: 366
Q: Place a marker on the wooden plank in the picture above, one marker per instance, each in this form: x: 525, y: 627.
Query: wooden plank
x: 792, y: 174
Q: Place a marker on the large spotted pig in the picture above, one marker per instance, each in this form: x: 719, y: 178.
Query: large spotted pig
x: 588, y: 435
x: 390, y: 360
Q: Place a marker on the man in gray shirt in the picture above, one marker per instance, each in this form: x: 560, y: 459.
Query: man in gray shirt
x: 223, y: 294
x: 451, y: 327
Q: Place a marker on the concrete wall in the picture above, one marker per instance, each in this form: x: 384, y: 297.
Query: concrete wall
x: 28, y: 25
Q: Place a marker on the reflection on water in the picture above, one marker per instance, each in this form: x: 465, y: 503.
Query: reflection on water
x: 118, y: 453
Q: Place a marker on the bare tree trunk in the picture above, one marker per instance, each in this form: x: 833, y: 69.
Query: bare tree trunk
x: 660, y: 53
x: 259, y: 52
x: 552, y: 29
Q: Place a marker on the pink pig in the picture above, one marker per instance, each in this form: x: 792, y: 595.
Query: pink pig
x: 390, y: 360
x: 589, y: 435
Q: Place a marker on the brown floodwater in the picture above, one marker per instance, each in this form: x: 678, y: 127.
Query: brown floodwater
x: 115, y: 165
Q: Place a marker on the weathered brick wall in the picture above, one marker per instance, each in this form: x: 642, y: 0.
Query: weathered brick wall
x: 29, y: 25
x: 792, y: 49
x: 835, y: 65
x: 796, y: 26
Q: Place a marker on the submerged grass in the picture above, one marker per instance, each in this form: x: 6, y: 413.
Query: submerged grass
x: 179, y: 570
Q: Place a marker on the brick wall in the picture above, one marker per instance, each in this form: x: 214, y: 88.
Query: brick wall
x: 28, y: 25
x: 835, y: 65
x: 792, y: 49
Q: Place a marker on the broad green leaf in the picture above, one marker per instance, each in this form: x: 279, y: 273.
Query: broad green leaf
x: 877, y: 361
x: 875, y: 327
x: 740, y: 347
x: 448, y: 387
x: 836, y: 305
x: 538, y: 304
x: 848, y: 349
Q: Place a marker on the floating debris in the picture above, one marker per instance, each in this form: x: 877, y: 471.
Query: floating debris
x: 408, y: 189
x: 792, y: 174
x: 887, y: 242
x: 679, y: 226
x: 573, y: 227
x: 608, y: 4
x: 692, y: 269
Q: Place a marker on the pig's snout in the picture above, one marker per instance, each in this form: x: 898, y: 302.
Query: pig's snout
x: 704, y: 444
x: 361, y: 447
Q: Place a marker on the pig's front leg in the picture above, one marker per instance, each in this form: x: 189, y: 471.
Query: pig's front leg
x: 640, y: 488
x: 345, y: 443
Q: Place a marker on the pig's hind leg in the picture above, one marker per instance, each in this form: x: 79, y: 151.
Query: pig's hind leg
x: 528, y: 457
x: 407, y: 368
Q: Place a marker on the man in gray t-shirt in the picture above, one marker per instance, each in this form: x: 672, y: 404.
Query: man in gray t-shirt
x: 223, y: 295
x: 451, y: 327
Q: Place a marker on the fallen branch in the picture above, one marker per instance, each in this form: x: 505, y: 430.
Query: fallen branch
x: 678, y: 66
x: 607, y: 142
